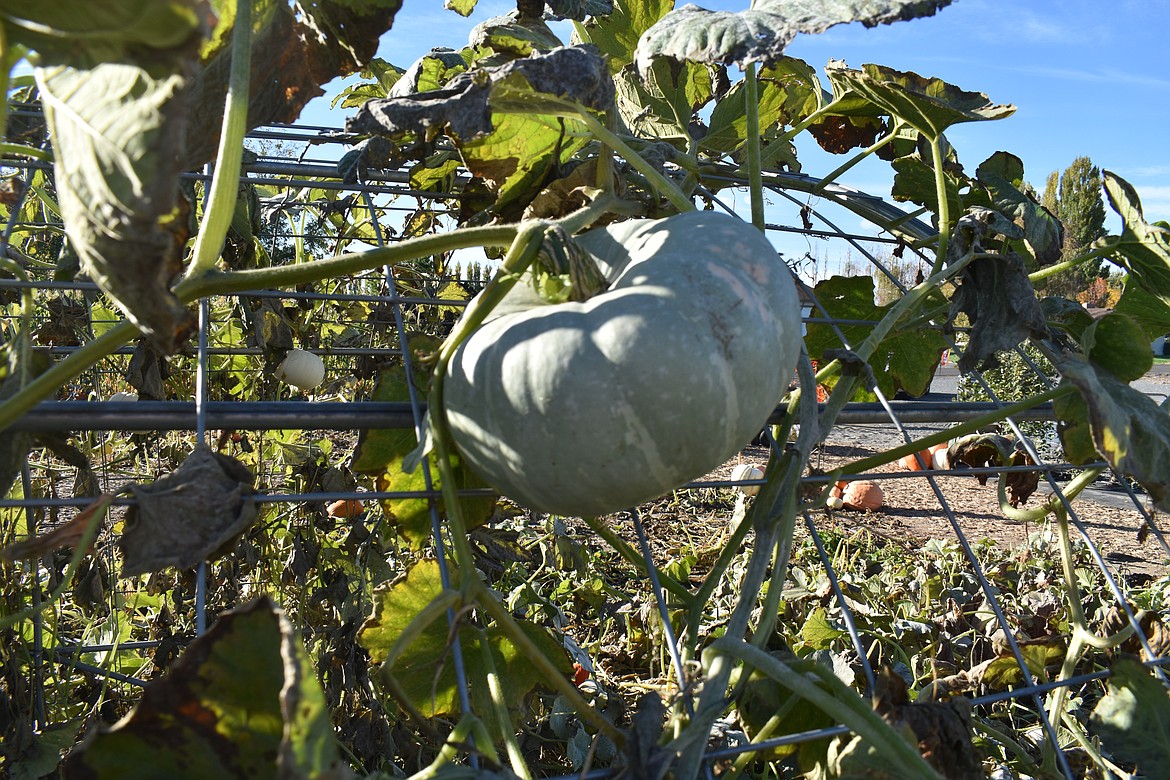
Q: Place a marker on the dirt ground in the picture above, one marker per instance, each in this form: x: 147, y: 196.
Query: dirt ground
x: 913, y: 512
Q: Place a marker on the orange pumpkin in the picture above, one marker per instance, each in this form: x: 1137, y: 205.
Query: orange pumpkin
x: 862, y: 495
x: 912, y: 461
x: 345, y: 508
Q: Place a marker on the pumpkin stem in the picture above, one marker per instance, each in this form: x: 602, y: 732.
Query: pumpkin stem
x: 564, y: 271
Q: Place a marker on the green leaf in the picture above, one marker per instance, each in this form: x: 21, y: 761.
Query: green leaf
x: 616, y: 35
x: 993, y: 291
x: 506, y: 129
x: 461, y: 7
x: 378, y: 448
x: 514, y: 37
x: 906, y: 359
x: 411, y: 517
x: 241, y: 702
x: 521, y: 153
x: 914, y: 181
x: 1143, y: 249
x: 1150, y: 311
x: 762, y: 33
x: 662, y: 103
x: 436, y: 172
x: 817, y: 632
x: 1133, y: 718
x: 84, y: 33
x: 1003, y: 176
x: 425, y: 670
x: 1126, y: 427
x: 462, y: 108
x: 928, y: 105
x: 785, y: 93
x: 1118, y: 344
x: 762, y: 698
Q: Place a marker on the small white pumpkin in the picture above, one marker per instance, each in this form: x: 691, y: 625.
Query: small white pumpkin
x: 121, y: 397
x: 746, y: 471
x: 301, y: 369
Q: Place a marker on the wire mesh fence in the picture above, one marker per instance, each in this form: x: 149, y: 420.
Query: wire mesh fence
x: 848, y: 602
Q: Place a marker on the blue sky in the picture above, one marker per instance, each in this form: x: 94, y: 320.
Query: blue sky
x: 1086, y: 78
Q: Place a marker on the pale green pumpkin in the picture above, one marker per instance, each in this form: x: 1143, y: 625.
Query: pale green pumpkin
x: 589, y: 408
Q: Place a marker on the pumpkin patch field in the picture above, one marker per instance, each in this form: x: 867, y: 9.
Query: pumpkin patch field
x: 497, y: 432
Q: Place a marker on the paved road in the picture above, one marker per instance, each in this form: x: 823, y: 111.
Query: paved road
x: 1155, y: 384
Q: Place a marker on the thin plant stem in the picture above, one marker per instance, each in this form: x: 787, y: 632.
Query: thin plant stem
x: 500, y: 708
x: 751, y: 106
x: 92, y: 516
x: 841, y: 703
x: 665, y: 187
x: 800, y: 127
x: 631, y: 556
x: 944, y: 207
x: 833, y: 175
x: 217, y: 217
x: 1106, y: 249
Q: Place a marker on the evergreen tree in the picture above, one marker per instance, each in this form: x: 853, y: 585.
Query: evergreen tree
x: 1075, y: 198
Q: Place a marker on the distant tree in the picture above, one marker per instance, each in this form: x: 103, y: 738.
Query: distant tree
x: 1076, y: 195
x: 1075, y: 198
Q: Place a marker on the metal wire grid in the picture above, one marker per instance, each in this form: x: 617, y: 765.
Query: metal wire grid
x: 207, y: 412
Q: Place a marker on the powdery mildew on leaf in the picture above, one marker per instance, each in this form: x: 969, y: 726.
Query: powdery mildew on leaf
x: 761, y: 33
x: 994, y: 292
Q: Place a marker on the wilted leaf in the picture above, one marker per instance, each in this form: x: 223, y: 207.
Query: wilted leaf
x: 462, y: 107
x: 118, y: 133
x: 942, y: 729
x: 242, y: 701
x: 425, y: 670
x: 762, y: 33
x: 1133, y: 718
x: 928, y: 105
x: 979, y: 450
x: 839, y: 134
x: 68, y: 535
x: 1003, y: 176
x: 188, y: 515
x: 513, y: 37
x: 1126, y: 427
x: 906, y: 359
x: 1143, y: 249
x: 994, y: 292
x: 298, y: 48
x: 579, y: 9
x: 644, y: 757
